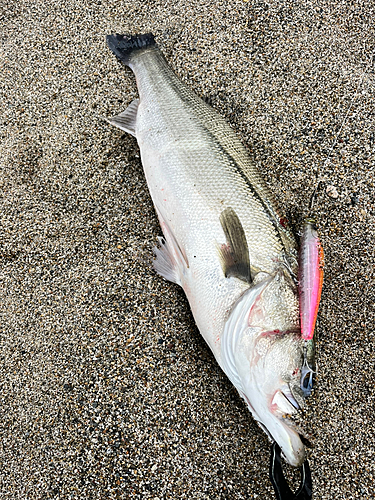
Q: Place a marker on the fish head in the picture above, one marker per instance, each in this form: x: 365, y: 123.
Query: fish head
x: 265, y: 362
x: 271, y: 381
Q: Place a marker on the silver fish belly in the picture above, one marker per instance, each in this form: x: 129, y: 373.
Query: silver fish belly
x: 223, y: 240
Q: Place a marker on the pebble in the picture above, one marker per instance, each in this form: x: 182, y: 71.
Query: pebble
x: 332, y: 192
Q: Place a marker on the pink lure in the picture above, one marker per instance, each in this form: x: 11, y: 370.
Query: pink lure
x: 310, y: 278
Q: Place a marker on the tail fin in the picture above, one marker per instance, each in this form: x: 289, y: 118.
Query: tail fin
x: 123, y: 46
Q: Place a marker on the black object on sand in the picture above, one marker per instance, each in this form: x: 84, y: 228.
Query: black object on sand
x: 281, y: 487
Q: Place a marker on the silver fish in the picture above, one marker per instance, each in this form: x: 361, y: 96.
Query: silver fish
x: 224, y: 242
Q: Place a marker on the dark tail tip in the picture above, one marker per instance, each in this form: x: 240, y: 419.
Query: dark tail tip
x: 123, y: 46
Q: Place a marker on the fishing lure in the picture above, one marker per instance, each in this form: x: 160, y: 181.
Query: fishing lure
x: 310, y: 278
x: 310, y: 283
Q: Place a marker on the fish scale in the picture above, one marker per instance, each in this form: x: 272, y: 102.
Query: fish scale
x: 210, y: 152
x: 223, y: 241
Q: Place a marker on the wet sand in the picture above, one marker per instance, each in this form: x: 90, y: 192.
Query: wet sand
x: 107, y: 389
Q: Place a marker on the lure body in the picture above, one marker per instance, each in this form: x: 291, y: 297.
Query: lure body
x: 310, y: 278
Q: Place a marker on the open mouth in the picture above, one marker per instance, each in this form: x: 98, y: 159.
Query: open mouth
x: 289, y: 396
x: 284, y: 403
x: 287, y: 408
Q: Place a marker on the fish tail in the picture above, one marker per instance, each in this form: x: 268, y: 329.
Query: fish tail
x: 124, y: 46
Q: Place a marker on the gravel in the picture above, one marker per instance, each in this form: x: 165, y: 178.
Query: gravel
x: 107, y: 389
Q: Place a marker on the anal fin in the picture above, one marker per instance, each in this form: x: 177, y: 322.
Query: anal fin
x: 127, y: 119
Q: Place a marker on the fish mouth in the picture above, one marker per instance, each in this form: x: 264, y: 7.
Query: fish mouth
x: 284, y: 403
x: 287, y: 393
x: 279, y: 425
x: 283, y: 430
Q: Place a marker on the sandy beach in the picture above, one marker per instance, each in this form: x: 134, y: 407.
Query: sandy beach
x: 107, y: 390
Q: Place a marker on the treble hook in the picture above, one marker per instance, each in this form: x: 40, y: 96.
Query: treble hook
x: 281, y: 487
x: 307, y: 375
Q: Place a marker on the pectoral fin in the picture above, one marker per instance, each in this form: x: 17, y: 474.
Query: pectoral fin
x: 127, y: 119
x: 234, y: 255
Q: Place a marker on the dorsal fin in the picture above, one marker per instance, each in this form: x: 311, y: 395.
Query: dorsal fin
x: 234, y: 256
x: 127, y: 119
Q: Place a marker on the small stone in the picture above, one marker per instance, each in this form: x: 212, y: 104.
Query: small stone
x: 332, y: 191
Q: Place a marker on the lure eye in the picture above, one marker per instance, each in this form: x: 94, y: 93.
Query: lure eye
x: 307, y: 381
